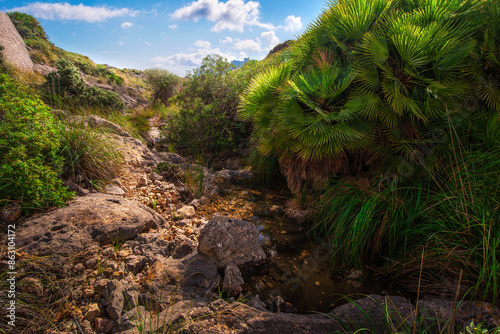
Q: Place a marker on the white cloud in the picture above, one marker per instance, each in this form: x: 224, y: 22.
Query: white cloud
x: 202, y: 44
x: 231, y: 15
x: 121, y: 43
x: 227, y: 40
x: 270, y: 38
x: 174, y: 26
x: 148, y: 43
x: 293, y: 23
x: 249, y: 45
x: 66, y: 11
x: 126, y: 25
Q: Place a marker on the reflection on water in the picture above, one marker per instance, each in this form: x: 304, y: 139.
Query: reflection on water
x: 297, y: 269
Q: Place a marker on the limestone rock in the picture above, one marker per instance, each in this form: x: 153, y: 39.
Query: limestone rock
x: 14, y: 52
x: 114, y: 190
x: 187, y: 212
x: 233, y: 282
x: 11, y: 213
x: 93, y: 312
x: 86, y: 220
x: 116, y: 299
x: 134, y: 263
x: 229, y: 240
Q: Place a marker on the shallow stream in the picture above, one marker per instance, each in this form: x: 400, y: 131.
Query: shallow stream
x: 297, y: 269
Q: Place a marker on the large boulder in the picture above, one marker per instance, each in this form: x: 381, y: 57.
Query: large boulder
x: 96, y: 218
x: 227, y: 240
x: 14, y: 49
x: 222, y: 317
x: 192, y: 276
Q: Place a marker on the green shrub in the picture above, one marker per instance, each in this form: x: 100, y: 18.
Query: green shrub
x: 29, y: 145
x: 207, y: 120
x: 67, y: 86
x: 98, y: 97
x: 163, y: 83
x: 27, y: 26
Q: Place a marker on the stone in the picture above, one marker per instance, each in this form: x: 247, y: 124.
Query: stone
x: 143, y: 181
x: 86, y: 327
x: 233, y: 281
x: 96, y: 218
x: 137, y: 317
x: 78, y: 268
x: 173, y: 158
x: 116, y: 299
x: 93, y: 312
x: 134, y: 263
x: 155, y: 177
x: 280, y: 305
x: 256, y: 303
x: 433, y: 309
x: 14, y: 50
x: 11, y: 213
x: 229, y: 240
x: 222, y: 317
x: 187, y: 212
x: 194, y: 275
x: 32, y: 286
x: 111, y: 189
x: 371, y: 312
x: 104, y: 325
x: 131, y: 299
x: 183, y: 246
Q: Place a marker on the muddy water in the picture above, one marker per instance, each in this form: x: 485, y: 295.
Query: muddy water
x: 297, y: 269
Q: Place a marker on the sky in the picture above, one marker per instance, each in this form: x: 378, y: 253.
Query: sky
x: 173, y: 35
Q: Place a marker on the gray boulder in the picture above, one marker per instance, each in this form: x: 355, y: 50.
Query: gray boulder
x: 229, y: 240
x: 96, y: 218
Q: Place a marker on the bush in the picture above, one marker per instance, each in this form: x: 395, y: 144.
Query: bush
x: 68, y: 84
x: 163, y: 83
x: 207, y: 121
x: 29, y: 145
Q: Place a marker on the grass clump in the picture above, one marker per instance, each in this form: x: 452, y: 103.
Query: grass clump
x: 29, y: 147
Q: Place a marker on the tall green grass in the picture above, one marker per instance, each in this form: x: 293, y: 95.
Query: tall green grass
x: 453, y: 217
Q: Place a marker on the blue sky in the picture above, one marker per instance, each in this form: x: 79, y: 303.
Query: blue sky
x: 174, y: 35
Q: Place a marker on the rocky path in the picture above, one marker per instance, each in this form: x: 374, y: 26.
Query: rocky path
x: 136, y: 259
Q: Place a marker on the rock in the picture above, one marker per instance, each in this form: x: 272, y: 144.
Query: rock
x: 131, y: 299
x: 11, y: 213
x: 229, y: 240
x: 137, y: 317
x: 94, y: 218
x: 467, y: 311
x: 183, y: 247
x: 32, y: 286
x: 195, y: 276
x: 256, y: 303
x: 371, y: 312
x: 280, y: 305
x: 134, y: 263
x: 116, y: 299
x: 14, y: 50
x: 76, y: 188
x: 155, y: 177
x: 86, y: 327
x: 93, y: 312
x: 222, y: 317
x: 114, y: 190
x: 143, y: 181
x: 233, y: 282
x: 78, y: 268
x: 187, y: 212
x: 173, y: 158
x: 104, y: 325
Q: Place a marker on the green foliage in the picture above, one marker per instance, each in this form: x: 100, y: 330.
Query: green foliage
x: 27, y: 26
x: 163, y: 83
x: 369, y: 82
x: 451, y: 217
x: 67, y: 86
x: 29, y: 145
x: 207, y: 119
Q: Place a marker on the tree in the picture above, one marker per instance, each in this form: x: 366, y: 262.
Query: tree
x: 163, y: 83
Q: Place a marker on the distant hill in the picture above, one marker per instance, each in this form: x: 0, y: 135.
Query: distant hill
x: 239, y: 63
